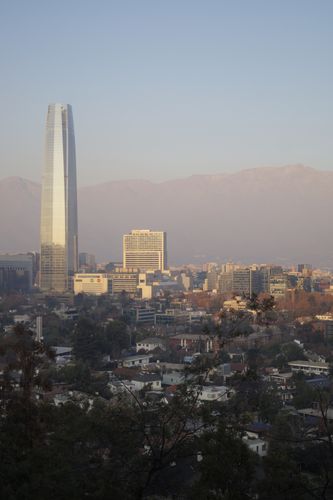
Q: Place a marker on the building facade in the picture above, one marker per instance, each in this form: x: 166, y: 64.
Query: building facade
x: 59, y: 229
x: 87, y: 262
x: 240, y: 281
x: 123, y: 280
x: 16, y: 272
x: 145, y: 250
x: 90, y: 283
x: 278, y: 286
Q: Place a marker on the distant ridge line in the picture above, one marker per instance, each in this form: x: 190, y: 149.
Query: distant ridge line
x: 264, y: 214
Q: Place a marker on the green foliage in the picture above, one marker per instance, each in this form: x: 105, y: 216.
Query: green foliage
x: 12, y: 301
x: 122, y: 448
x: 227, y: 469
x: 233, y: 324
x: 305, y: 394
x: 77, y: 375
x: 289, y: 351
x: 254, y: 396
x: 87, y: 342
x: 292, y: 351
x: 25, y: 357
x: 115, y: 338
x: 283, y: 466
x: 74, y: 454
x: 56, y: 331
x: 254, y: 358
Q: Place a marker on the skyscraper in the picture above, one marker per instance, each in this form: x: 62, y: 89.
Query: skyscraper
x: 145, y: 250
x: 59, y: 233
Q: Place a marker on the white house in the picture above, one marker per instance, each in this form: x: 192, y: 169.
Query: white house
x: 173, y: 377
x: 150, y: 344
x: 150, y: 380
x: 213, y: 393
x: 21, y: 318
x: 138, y: 360
x: 258, y: 446
x: 62, y: 354
x: 121, y: 386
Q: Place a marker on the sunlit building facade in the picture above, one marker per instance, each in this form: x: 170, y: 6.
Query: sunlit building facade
x: 90, y: 283
x: 145, y: 250
x: 59, y: 228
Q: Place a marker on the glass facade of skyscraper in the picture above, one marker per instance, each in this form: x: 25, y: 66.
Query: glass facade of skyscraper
x: 59, y: 232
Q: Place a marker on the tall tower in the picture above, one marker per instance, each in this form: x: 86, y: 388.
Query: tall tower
x: 58, y: 231
x: 145, y: 250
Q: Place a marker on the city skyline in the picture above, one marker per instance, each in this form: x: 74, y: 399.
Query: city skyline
x: 231, y: 92
x: 58, y: 223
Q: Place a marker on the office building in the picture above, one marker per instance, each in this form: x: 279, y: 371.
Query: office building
x: 278, y: 285
x: 225, y: 282
x: 144, y: 314
x: 123, y: 280
x: 90, y: 283
x: 145, y: 250
x: 186, y: 281
x: 240, y: 281
x: 87, y: 262
x: 59, y: 232
x: 16, y: 272
x: 310, y: 367
x: 305, y: 269
x: 211, y: 280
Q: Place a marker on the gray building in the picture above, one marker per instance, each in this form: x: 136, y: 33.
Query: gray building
x: 16, y: 272
x: 87, y: 261
x: 240, y: 281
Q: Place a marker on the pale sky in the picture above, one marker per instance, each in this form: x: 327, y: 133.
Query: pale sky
x: 165, y: 89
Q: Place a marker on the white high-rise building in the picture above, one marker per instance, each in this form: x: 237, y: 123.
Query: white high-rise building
x: 59, y: 230
x: 145, y: 250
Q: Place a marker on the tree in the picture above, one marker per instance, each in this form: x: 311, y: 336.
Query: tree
x: 77, y: 375
x: 25, y: 360
x: 26, y: 363
x: 227, y: 469
x: 264, y: 307
x: 254, y: 396
x: 292, y: 351
x: 286, y: 467
x: 55, y: 330
x: 305, y: 394
x: 87, y: 342
x: 115, y: 338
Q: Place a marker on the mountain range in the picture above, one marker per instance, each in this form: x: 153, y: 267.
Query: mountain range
x: 275, y: 214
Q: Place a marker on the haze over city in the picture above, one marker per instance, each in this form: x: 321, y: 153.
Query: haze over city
x: 279, y: 215
x: 164, y: 90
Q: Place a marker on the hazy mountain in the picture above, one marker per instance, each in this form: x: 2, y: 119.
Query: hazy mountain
x: 257, y: 215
